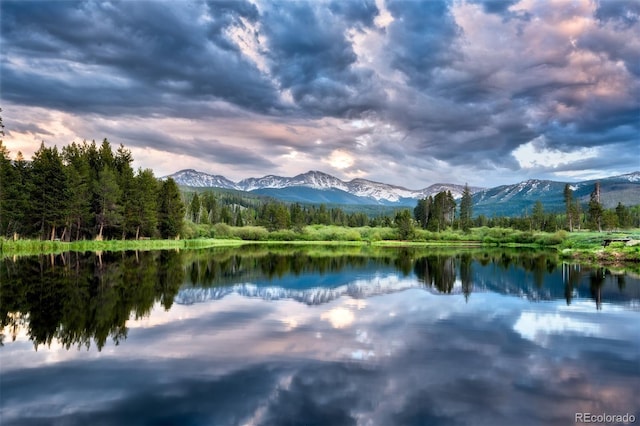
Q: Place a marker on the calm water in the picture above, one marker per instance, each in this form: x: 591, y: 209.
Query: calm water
x: 315, y: 336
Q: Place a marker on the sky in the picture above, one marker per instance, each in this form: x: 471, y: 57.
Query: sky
x: 410, y: 93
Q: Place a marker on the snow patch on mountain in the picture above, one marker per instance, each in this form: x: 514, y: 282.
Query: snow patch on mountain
x: 194, y: 178
x: 371, y: 192
x: 376, y: 191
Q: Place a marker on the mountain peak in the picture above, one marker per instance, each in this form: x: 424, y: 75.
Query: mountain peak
x: 631, y: 177
x: 194, y: 178
x: 369, y: 191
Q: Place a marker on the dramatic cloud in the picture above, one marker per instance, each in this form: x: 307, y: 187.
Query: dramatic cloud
x: 405, y: 92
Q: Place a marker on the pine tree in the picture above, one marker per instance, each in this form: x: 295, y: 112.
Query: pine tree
x: 421, y: 212
x: 125, y: 178
x: 79, y: 179
x: 8, y: 187
x: 570, y: 208
x: 623, y: 215
x: 108, y: 194
x: 466, y: 207
x: 194, y: 208
x: 297, y: 217
x: 171, y: 209
x: 144, y: 206
x: 49, y: 192
x: 538, y: 216
x: 404, y: 223
x: 595, y: 208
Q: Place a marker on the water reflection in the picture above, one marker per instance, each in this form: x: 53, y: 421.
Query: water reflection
x: 294, y: 336
x: 77, y: 298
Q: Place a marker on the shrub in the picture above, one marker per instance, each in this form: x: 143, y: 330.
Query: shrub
x: 284, y: 235
x: 490, y: 240
x: 189, y: 230
x: 374, y: 236
x: 252, y: 233
x: 221, y: 230
x: 526, y: 237
x: 388, y: 233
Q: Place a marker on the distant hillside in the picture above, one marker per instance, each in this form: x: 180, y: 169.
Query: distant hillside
x: 514, y: 200
x: 360, y: 194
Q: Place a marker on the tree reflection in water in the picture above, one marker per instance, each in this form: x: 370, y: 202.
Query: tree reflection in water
x: 78, y: 298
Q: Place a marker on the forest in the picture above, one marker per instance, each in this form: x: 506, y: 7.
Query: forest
x: 87, y: 191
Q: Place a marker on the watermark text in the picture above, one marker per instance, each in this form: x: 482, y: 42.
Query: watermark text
x: 605, y: 418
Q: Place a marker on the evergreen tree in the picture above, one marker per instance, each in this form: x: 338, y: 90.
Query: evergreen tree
x: 79, y: 179
x: 125, y: 176
x: 144, y: 206
x: 225, y: 215
x: 322, y: 216
x: 105, y: 156
x: 8, y: 188
x: 275, y: 216
x: 466, y: 209
x: 238, y: 216
x: 610, y: 220
x: 210, y: 205
x: 441, y: 211
x: 108, y: 194
x: 404, y: 223
x: 421, y: 212
x: 194, y: 208
x: 297, y: 217
x: 623, y: 216
x: 171, y: 209
x: 569, y: 206
x: 595, y: 208
x: 538, y: 217
x: 49, y: 192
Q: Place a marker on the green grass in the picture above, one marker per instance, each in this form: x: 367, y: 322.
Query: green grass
x: 580, y: 246
x: 33, y: 247
x: 588, y: 247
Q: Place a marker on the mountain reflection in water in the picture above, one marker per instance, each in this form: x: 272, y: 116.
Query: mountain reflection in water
x: 293, y: 335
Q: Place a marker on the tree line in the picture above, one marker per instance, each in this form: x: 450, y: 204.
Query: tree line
x: 437, y: 213
x: 592, y: 215
x: 90, y: 191
x: 234, y: 210
x: 85, y: 191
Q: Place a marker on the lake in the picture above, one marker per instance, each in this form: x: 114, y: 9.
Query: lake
x: 291, y: 335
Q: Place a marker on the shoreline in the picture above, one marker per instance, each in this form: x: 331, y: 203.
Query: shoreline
x: 615, y: 255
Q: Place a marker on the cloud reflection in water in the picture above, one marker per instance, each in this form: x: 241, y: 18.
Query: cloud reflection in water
x: 403, y: 358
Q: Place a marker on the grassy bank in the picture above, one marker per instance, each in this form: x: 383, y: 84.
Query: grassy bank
x: 579, y: 246
x: 589, y: 247
x: 483, y: 235
x: 33, y: 247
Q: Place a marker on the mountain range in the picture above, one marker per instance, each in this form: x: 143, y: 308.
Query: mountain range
x: 519, y: 198
x: 318, y: 187
x: 315, y: 186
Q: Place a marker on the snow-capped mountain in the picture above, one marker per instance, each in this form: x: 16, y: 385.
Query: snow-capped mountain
x: 197, y: 179
x: 369, y: 192
x: 318, y: 187
x: 519, y: 198
x: 531, y: 188
x: 312, y: 179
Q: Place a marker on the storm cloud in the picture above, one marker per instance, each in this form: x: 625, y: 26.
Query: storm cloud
x: 408, y: 92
